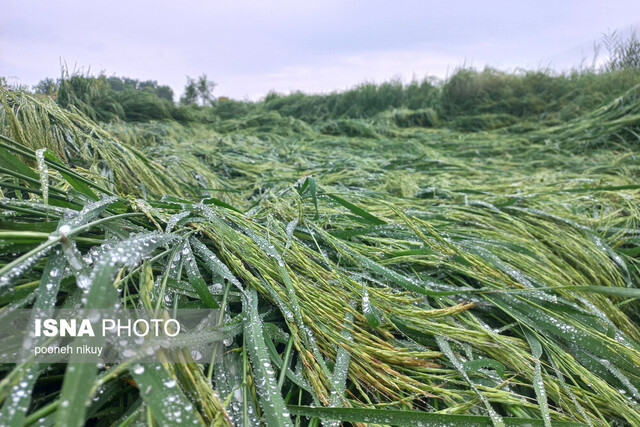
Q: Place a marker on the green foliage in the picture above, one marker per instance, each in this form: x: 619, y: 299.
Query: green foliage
x: 348, y: 127
x: 469, y: 100
x: 121, y: 84
x: 200, y: 88
x: 40, y: 123
x: 479, y: 122
x: 228, y: 109
x: 205, y: 89
x: 47, y: 86
x: 416, y: 118
x: 270, y: 121
x: 91, y: 96
x: 373, y: 269
x: 531, y: 95
x: 190, y: 95
x: 144, y: 106
x: 363, y: 101
x: 106, y: 99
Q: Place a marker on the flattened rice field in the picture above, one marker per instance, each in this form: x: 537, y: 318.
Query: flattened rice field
x: 363, y: 272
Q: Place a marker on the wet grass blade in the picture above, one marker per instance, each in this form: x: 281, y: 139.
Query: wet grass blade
x: 275, y: 411
x: 163, y: 394
x: 79, y: 377
x: 196, y: 279
x: 538, y: 383
x: 341, y: 366
x: 369, y: 310
x: 411, y: 418
x: 368, y: 217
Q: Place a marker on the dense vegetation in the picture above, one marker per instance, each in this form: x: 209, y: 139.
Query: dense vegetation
x: 373, y: 261
x: 469, y: 100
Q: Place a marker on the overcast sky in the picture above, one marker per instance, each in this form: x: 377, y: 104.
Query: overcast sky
x: 252, y: 47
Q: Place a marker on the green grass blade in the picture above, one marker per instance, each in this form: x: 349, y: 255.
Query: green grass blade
x: 275, y: 411
x: 196, y: 279
x: 538, y: 383
x: 368, y: 217
x: 12, y: 163
x: 163, y: 394
x: 475, y: 365
x: 369, y: 310
x: 71, y: 178
x: 79, y: 377
x: 341, y: 366
x: 496, y: 419
x: 411, y: 418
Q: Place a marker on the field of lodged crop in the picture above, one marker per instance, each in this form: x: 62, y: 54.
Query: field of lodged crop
x: 385, y: 270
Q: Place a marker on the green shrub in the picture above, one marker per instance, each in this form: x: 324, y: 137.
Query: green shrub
x: 421, y: 118
x: 143, y: 106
